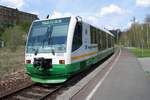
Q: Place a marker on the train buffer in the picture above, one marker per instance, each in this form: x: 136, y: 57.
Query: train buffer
x: 125, y: 80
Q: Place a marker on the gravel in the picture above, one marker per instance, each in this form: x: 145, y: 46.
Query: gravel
x: 14, y: 83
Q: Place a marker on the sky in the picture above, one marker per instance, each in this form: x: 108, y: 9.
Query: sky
x: 111, y: 14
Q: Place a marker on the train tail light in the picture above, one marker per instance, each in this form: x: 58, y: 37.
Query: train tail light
x: 28, y: 61
x: 61, y: 61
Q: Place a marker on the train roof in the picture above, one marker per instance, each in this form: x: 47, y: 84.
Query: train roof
x: 103, y: 29
x: 50, y: 18
x: 108, y: 32
x: 83, y: 20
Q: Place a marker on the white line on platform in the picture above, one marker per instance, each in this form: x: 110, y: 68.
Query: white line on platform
x: 100, y: 82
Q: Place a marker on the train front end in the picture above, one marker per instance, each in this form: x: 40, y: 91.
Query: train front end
x: 46, y: 51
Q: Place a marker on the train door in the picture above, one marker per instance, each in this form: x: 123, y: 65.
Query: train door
x: 86, y: 37
x: 77, y: 37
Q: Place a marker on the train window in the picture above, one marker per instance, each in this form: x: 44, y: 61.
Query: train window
x: 104, y: 40
x: 77, y: 38
x: 98, y: 40
x: 109, y: 41
x: 101, y: 40
x: 112, y: 45
x: 93, y: 35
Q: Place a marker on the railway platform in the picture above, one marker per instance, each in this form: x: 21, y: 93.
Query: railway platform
x: 125, y: 80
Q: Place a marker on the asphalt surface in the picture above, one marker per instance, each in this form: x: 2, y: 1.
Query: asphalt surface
x: 126, y: 81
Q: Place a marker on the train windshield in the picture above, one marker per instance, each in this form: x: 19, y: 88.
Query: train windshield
x: 48, y: 36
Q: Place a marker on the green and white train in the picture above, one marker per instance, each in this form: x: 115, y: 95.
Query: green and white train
x: 59, y: 48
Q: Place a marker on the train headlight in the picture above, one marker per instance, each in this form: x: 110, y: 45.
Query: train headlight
x: 61, y: 61
x: 28, y: 61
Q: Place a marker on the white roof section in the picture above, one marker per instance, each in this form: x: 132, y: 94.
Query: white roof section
x: 80, y: 19
x: 50, y: 19
x: 107, y: 31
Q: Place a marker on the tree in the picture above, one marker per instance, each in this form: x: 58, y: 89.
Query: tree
x: 2, y: 29
x: 1, y: 32
x: 138, y: 34
x: 25, y: 26
x: 147, y: 19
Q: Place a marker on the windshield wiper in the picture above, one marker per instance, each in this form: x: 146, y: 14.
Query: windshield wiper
x: 47, y: 36
x: 49, y: 31
x: 36, y: 51
x: 53, y: 51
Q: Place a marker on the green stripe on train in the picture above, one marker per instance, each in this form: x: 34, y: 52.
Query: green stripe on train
x: 61, y: 72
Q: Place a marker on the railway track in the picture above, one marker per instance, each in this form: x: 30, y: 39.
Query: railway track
x: 33, y: 92
x: 43, y: 92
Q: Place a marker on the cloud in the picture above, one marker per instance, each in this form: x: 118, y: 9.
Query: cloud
x: 34, y: 12
x: 99, y: 21
x: 13, y: 3
x: 111, y: 9
x: 143, y: 3
x: 129, y: 24
x: 91, y: 19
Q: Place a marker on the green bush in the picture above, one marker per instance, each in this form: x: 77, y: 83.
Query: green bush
x: 25, y: 26
x: 13, y: 37
x: 140, y: 53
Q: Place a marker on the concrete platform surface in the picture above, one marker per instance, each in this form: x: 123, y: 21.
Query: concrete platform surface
x: 126, y: 81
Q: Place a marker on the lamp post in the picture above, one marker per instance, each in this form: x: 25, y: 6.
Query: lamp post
x: 118, y: 34
x: 134, y: 33
x: 142, y: 41
x: 148, y: 25
x: 142, y: 47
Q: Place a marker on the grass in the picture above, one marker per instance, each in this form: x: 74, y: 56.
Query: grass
x: 11, y: 62
x: 138, y: 52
